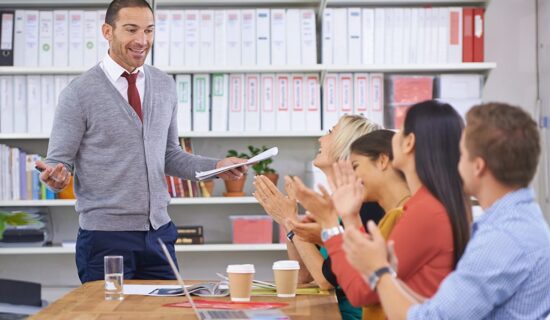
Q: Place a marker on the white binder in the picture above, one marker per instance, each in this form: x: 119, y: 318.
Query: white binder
x: 19, y: 39
x: 233, y: 37
x: 367, y: 26
x: 443, y: 35
x: 298, y: 111
x: 34, y: 109
x: 355, y: 42
x: 293, y: 38
x: 19, y: 104
x: 252, y: 103
x: 379, y: 35
x: 177, y: 40
x: 376, y: 98
x: 90, y: 38
x: 76, y: 38
x: 248, y: 37
x: 236, y: 96
x: 31, y: 37
x: 330, y: 101
x: 312, y: 102
x: 220, y: 102
x: 267, y: 103
x: 345, y: 85
x: 6, y: 104
x: 219, y: 38
x: 340, y: 38
x: 327, y: 36
x: 454, y: 49
x: 47, y: 91
x: 407, y: 35
x: 45, y: 44
x: 201, y: 102
x: 308, y: 37
x: 278, y: 37
x: 61, y: 38
x: 398, y: 39
x: 161, y: 47
x: 206, y: 36
x: 415, y: 37
x: 282, y: 102
x: 191, y: 20
x: 183, y: 90
x: 361, y: 93
x: 263, y: 37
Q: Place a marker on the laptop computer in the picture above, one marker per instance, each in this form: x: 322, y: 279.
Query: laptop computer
x: 207, y: 314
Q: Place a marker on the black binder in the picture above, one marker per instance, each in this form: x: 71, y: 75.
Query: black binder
x: 7, y: 26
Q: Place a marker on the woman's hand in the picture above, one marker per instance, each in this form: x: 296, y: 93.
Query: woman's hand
x: 307, y: 229
x: 276, y: 204
x: 348, y: 191
x: 319, y: 205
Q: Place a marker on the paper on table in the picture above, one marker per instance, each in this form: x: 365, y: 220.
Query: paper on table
x: 262, y: 156
x: 146, y: 289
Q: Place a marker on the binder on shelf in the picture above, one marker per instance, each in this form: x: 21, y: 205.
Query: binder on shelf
x: 407, y: 35
x: 379, y: 31
x: 7, y: 27
x: 76, y: 38
x: 293, y: 38
x: 177, y: 40
x: 20, y: 104
x: 220, y: 102
x: 34, y: 109
x: 45, y: 43
x: 345, y: 86
x: 102, y: 43
x: 340, y: 36
x: 433, y: 16
x: 90, y: 38
x: 308, y: 37
x: 183, y: 91
x: 415, y: 37
x: 389, y: 29
x: 19, y: 38
x: 192, y: 38
x: 312, y: 102
x: 330, y: 101
x: 376, y: 98
x: 468, y: 35
x: 459, y: 86
x: 298, y: 111
x: 282, y: 102
x: 361, y: 93
x: 47, y: 97
x: 263, y: 37
x: 327, y: 34
x: 267, y: 103
x: 248, y: 37
x: 278, y: 37
x: 454, y: 50
x: 60, y: 38
x: 398, y: 35
x: 236, y: 97
x: 479, y: 34
x: 233, y: 37
x: 6, y: 104
x: 252, y: 103
x: 201, y: 102
x: 367, y: 30
x: 354, y: 36
x: 443, y: 35
x: 161, y: 47
x: 31, y: 37
x: 206, y: 36
x: 219, y: 38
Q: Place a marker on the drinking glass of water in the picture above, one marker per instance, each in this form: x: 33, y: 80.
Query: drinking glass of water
x: 114, y: 277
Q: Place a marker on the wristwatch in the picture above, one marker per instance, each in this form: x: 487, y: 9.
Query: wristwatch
x: 374, y: 278
x: 331, y: 232
x: 290, y: 235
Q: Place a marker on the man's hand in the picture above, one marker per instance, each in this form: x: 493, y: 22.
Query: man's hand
x: 235, y: 173
x: 366, y: 252
x: 56, y: 178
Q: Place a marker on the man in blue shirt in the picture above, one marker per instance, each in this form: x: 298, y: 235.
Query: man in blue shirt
x: 505, y: 270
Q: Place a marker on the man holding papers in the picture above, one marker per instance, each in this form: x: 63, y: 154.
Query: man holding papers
x: 115, y: 129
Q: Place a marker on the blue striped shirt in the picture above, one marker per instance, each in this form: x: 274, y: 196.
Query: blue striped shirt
x: 505, y: 270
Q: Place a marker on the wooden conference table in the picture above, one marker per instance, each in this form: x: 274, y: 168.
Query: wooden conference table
x: 87, y: 302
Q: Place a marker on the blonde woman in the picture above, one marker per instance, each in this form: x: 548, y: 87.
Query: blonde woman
x: 315, y: 266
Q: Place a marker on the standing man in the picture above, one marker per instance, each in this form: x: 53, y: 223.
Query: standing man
x: 505, y: 270
x: 115, y: 129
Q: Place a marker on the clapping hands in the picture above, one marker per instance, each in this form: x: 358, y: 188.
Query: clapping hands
x: 348, y: 192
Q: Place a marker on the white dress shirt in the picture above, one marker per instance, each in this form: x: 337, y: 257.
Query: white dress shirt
x: 114, y: 72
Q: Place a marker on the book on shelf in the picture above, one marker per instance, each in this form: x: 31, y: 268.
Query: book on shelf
x: 190, y: 231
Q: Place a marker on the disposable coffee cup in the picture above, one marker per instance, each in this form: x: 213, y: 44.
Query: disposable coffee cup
x: 240, y: 281
x: 286, y: 277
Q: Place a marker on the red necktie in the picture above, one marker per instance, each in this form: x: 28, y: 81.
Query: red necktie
x: 133, y: 94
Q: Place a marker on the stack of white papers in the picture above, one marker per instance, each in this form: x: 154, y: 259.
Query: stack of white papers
x: 262, y: 156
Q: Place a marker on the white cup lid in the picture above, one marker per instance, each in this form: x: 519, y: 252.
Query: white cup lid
x: 286, y: 265
x: 240, y: 268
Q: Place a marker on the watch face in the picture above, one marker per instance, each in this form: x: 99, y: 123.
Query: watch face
x: 325, y: 235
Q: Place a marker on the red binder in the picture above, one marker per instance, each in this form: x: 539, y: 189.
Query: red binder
x: 468, y: 35
x: 479, y: 34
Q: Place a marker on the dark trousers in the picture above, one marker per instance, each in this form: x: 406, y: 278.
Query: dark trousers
x: 143, y: 256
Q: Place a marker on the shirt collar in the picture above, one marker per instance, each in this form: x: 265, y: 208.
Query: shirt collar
x: 114, y: 70
x: 503, y: 205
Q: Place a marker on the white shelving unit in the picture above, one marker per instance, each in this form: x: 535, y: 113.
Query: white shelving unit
x: 173, y: 202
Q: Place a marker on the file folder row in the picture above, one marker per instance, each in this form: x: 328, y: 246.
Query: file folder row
x: 235, y: 37
x: 27, y: 103
x: 18, y: 179
x: 438, y: 35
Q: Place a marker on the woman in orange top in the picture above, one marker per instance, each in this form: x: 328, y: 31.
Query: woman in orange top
x: 431, y: 235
